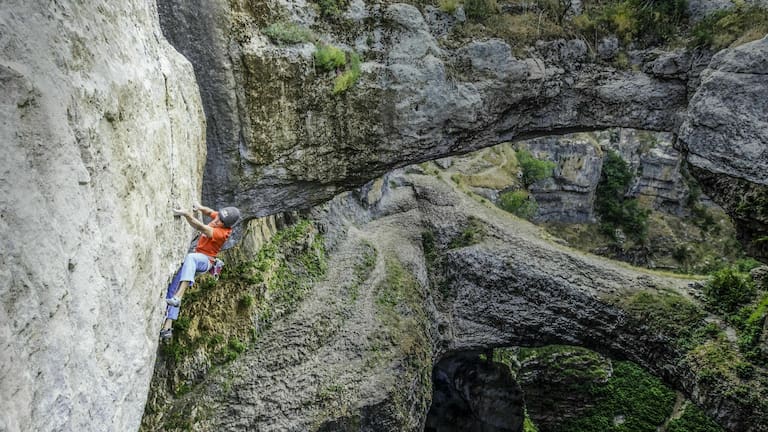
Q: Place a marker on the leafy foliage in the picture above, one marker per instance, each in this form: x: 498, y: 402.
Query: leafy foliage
x: 329, y: 58
x: 723, y: 28
x: 472, y: 233
x: 642, y: 399
x: 519, y: 202
x: 349, y: 76
x: 728, y: 289
x: 611, y: 204
x: 533, y: 169
x: 693, y: 419
x: 448, y: 6
x: 666, y: 311
x: 332, y: 8
x: 479, y: 10
x: 750, y: 321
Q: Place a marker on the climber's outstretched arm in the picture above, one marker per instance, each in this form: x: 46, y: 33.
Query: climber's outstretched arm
x: 196, y: 224
x: 206, y: 210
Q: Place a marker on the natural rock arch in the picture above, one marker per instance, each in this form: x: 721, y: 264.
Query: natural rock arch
x: 509, y: 288
x: 278, y: 140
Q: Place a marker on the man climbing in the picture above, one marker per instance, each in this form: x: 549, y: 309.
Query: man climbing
x: 212, y: 238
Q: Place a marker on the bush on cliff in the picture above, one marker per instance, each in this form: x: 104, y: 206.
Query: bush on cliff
x: 729, y: 289
x: 519, y: 203
x: 740, y: 24
x: 612, y: 205
x: 533, y: 169
x: 329, y: 58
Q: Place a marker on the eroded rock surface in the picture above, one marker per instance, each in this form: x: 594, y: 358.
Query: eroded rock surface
x: 279, y: 140
x: 726, y: 137
x: 298, y: 145
x: 101, y: 129
x: 482, y: 280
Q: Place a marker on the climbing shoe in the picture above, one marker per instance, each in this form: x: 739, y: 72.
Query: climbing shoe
x: 173, y: 301
x: 166, y: 334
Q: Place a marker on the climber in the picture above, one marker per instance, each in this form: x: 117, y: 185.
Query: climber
x: 212, y: 238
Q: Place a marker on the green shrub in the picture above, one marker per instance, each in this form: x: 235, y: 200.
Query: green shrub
x: 723, y: 28
x: 329, y: 58
x: 693, y: 419
x: 728, y: 289
x: 350, y: 76
x: 246, y: 301
x: 288, y: 32
x: 668, y: 312
x: 746, y: 265
x: 643, y: 400
x: 235, y: 345
x: 332, y: 8
x: 448, y: 6
x: 479, y: 10
x: 519, y: 203
x: 533, y: 169
x: 472, y: 233
x: 750, y: 321
x: 614, y: 209
x: 642, y: 22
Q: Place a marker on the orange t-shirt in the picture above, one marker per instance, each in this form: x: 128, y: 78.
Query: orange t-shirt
x: 212, y: 245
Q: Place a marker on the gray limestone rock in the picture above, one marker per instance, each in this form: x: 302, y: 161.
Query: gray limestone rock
x: 101, y: 128
x: 725, y: 135
x: 500, y: 285
x: 274, y: 122
x: 608, y: 47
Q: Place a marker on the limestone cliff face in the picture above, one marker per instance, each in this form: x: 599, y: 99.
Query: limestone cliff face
x: 569, y: 195
x: 726, y: 137
x: 101, y: 128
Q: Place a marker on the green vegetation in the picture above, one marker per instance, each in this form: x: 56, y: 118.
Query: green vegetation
x: 480, y: 9
x: 570, y: 363
x: 637, y: 23
x: 750, y: 322
x: 644, y: 23
x: 611, y: 389
x: 329, y: 58
x: 666, y: 312
x: 269, y: 286
x: 643, y: 400
x: 519, y: 202
x: 362, y: 270
x: 400, y: 309
x: 472, y: 233
x: 448, y: 6
x: 348, y: 78
x: 611, y: 204
x: 728, y: 289
x: 528, y: 425
x: 246, y: 301
x: 332, y: 8
x: 737, y: 25
x: 288, y: 32
x: 693, y: 419
x: 533, y: 169
x: 429, y: 246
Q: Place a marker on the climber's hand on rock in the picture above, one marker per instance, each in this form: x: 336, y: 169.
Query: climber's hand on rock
x: 179, y: 212
x: 196, y: 207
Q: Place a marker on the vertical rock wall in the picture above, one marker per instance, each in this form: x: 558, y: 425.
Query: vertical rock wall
x: 102, y: 132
